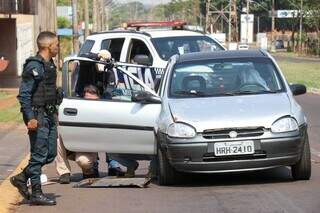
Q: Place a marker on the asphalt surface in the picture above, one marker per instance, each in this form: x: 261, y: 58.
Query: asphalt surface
x: 14, y: 146
x: 264, y: 191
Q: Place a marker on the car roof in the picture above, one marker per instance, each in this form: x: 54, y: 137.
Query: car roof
x: 150, y: 33
x: 221, y: 55
x: 172, y: 33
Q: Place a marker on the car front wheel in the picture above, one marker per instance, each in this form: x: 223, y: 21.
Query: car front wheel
x: 302, y: 169
x: 167, y: 174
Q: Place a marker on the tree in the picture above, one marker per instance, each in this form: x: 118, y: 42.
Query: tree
x: 63, y: 22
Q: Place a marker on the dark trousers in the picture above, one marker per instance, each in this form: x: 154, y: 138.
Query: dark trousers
x: 43, y: 146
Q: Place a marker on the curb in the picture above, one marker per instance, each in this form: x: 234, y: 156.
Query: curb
x: 9, y: 196
x: 314, y: 91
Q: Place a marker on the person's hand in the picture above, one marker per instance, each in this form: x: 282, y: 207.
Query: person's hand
x: 32, y: 124
x: 104, y: 55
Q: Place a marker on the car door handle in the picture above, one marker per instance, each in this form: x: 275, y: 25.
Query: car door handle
x: 70, y: 111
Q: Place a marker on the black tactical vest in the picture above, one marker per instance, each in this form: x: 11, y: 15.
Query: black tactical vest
x: 45, y: 88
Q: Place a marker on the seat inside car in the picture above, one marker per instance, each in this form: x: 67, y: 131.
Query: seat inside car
x: 194, y: 82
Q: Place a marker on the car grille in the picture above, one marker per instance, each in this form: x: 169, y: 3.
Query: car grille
x: 210, y: 157
x: 225, y: 133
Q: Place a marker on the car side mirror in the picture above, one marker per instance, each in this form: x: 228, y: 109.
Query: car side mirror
x: 145, y: 97
x: 298, y: 89
x: 143, y: 60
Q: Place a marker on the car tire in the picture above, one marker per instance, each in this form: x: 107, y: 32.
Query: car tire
x: 167, y: 174
x: 302, y: 169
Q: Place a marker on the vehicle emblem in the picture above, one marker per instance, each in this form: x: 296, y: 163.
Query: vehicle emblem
x: 233, y: 134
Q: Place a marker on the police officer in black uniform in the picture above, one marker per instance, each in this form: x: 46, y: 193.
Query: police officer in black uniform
x: 39, y: 98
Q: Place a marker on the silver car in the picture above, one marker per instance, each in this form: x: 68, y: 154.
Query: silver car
x: 225, y: 111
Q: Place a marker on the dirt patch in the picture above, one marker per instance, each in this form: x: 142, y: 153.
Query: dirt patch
x: 12, y: 125
x: 8, y: 102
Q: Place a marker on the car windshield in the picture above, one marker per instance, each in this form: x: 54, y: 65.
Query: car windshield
x: 225, y: 77
x: 169, y: 46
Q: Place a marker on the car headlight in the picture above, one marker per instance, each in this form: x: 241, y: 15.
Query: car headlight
x: 286, y: 124
x: 181, y: 130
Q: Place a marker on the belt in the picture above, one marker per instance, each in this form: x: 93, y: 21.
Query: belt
x: 49, y: 109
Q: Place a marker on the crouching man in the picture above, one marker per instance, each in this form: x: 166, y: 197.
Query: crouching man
x: 87, y: 161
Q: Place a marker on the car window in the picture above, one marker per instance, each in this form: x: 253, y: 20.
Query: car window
x: 114, y: 46
x: 112, y: 84
x: 169, y: 46
x: 225, y: 77
x: 137, y: 47
x: 86, y: 47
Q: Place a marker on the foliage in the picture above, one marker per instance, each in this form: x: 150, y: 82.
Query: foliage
x: 63, y: 2
x: 63, y: 22
x: 66, y: 46
x: 133, y: 11
x: 301, y: 72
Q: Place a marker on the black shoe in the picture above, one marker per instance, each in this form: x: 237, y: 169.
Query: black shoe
x: 39, y: 199
x: 64, y: 179
x: 131, y: 171
x: 93, y: 175
x: 20, y: 182
x: 116, y: 172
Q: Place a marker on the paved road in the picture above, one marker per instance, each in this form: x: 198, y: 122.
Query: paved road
x: 264, y: 191
x: 14, y: 146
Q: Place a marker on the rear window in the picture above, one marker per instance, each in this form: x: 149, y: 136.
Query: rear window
x: 86, y: 47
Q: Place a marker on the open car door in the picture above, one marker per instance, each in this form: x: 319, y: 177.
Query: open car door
x: 116, y: 123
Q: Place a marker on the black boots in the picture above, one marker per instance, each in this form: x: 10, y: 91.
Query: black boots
x: 38, y: 198
x: 20, y: 182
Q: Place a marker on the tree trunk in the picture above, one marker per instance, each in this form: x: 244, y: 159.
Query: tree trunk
x: 95, y: 15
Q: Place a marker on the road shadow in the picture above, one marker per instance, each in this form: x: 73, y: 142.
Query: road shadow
x: 27, y: 202
x: 270, y: 176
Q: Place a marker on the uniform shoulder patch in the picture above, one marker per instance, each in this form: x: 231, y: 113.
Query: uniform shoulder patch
x: 35, y: 72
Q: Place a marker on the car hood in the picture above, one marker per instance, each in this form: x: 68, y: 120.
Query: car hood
x: 231, y: 111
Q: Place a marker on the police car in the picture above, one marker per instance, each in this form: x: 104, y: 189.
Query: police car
x: 150, y: 48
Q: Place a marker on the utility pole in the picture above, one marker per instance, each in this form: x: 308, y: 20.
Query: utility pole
x: 207, y: 14
x: 273, y: 49
x: 300, y: 28
x: 86, y: 19
x: 229, y: 21
x: 75, y: 26
x: 258, y: 23
x: 247, y: 26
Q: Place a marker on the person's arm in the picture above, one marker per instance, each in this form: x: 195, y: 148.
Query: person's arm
x: 30, y: 73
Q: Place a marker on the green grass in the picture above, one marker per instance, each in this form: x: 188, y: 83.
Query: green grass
x: 307, y: 73
x: 11, y: 114
x: 4, y: 95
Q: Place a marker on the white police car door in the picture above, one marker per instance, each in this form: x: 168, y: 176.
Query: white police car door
x: 114, y: 126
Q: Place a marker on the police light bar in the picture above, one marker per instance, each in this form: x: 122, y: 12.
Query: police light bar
x: 156, y: 24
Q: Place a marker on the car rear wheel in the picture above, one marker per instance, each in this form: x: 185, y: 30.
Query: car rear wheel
x: 302, y: 169
x: 167, y: 174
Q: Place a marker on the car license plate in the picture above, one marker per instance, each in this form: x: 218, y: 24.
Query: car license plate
x: 233, y: 148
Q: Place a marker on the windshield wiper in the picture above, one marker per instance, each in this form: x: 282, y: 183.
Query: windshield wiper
x: 191, y: 92
x: 249, y: 92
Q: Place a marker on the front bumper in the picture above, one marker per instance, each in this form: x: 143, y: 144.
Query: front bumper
x: 197, y: 155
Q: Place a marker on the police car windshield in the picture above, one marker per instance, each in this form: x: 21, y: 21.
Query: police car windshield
x: 169, y: 46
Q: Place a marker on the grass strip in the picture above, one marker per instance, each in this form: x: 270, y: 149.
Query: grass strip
x: 307, y: 73
x: 11, y: 114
